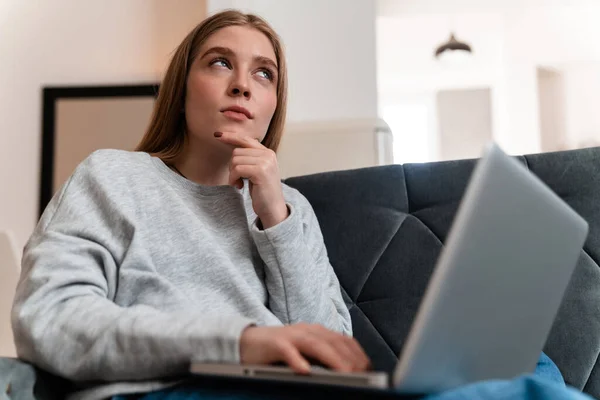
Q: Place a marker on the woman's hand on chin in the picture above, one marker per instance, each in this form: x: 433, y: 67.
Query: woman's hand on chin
x: 257, y: 163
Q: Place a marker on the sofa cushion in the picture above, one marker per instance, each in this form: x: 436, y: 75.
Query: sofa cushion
x: 574, y: 342
x: 22, y: 381
x: 384, y: 228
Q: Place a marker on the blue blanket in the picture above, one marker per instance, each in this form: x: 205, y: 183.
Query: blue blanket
x: 546, y: 383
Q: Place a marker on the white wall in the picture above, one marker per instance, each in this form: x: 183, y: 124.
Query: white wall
x: 331, y: 54
x: 333, y: 145
x: 465, y: 122
x: 70, y: 42
x: 407, y: 66
x: 561, y: 35
x: 510, y: 38
x: 552, y: 105
x: 405, y: 7
x: 582, y: 86
x: 406, y: 45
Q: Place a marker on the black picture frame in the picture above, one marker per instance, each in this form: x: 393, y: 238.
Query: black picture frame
x: 51, y: 95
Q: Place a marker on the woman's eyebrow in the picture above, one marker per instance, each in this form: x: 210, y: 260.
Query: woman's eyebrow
x: 226, y: 51
x: 265, y: 60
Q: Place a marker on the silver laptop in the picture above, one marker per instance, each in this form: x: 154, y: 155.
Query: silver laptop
x: 492, y: 298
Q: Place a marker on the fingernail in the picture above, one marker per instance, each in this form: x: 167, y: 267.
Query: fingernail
x: 218, y: 134
x: 306, y: 366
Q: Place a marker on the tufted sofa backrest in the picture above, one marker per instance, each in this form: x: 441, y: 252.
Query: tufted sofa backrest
x: 384, y: 228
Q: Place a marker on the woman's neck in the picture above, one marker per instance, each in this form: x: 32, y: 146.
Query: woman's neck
x: 204, y: 164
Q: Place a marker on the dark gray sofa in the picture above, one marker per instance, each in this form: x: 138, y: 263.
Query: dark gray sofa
x: 384, y: 228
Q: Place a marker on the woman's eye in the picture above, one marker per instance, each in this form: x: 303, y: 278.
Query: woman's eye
x: 220, y: 62
x: 266, y: 74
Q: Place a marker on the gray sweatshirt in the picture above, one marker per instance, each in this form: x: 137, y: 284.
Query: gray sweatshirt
x: 133, y: 271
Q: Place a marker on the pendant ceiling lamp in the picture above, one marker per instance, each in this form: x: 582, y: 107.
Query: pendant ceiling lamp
x: 453, y: 46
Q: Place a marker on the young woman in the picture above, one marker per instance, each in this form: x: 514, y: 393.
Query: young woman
x: 190, y: 247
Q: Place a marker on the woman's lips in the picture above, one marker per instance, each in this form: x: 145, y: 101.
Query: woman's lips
x: 235, y: 115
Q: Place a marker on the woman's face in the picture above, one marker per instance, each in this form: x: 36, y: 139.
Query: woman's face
x: 232, y: 85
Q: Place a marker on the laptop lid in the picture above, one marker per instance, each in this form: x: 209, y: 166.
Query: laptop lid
x: 498, y: 284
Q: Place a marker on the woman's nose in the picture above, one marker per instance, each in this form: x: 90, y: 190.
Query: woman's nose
x: 239, y: 87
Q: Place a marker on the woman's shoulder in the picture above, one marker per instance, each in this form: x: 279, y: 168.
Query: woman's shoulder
x: 104, y: 179
x: 113, y: 171
x: 106, y: 160
x: 114, y: 166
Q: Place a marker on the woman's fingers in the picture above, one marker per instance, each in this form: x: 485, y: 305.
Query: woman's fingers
x: 343, y: 347
x: 319, y: 348
x: 257, y: 169
x: 238, y: 172
x: 244, y: 160
x: 237, y: 140
x: 364, y: 360
x: 293, y: 358
x: 346, y: 346
x: 294, y: 343
x: 244, y: 157
x: 241, y: 151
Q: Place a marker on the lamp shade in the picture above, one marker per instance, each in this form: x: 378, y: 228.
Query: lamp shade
x: 452, y: 45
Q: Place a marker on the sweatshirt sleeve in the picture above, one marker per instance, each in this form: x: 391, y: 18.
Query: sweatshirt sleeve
x: 64, y: 319
x: 301, y: 282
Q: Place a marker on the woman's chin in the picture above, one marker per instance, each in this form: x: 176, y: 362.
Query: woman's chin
x: 238, y: 130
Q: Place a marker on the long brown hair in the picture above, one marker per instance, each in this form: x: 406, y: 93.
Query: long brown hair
x: 165, y: 135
